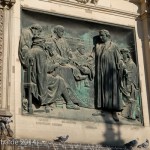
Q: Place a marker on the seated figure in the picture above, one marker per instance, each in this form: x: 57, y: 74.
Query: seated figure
x: 62, y: 54
x: 80, y: 61
x: 25, y: 44
x: 46, y: 87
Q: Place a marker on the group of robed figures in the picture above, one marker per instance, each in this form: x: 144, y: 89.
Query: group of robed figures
x: 113, y: 69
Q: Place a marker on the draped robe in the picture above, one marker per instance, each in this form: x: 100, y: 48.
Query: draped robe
x: 47, y: 88
x: 61, y: 53
x: 25, y: 45
x: 107, y: 76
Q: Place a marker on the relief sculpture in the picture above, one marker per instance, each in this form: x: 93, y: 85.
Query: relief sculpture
x: 108, y: 66
x: 117, y: 79
x: 46, y: 86
x: 130, y: 88
x: 62, y: 72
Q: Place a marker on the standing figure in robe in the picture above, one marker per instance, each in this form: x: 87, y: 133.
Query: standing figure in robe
x: 108, y: 65
x: 129, y: 87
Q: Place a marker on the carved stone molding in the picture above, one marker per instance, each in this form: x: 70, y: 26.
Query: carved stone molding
x: 5, y: 116
x: 7, y: 3
x: 89, y: 7
x: 5, y: 120
x: 1, y: 50
x: 87, y: 1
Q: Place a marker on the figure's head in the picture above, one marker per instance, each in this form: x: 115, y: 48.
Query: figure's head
x: 81, y: 48
x: 36, y: 30
x: 125, y: 53
x: 59, y: 31
x: 104, y: 35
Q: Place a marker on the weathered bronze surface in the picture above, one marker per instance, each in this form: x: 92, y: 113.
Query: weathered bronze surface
x: 85, y: 66
x: 130, y: 88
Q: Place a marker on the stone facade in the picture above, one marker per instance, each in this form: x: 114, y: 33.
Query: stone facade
x: 145, y: 18
x: 133, y: 14
x: 5, y: 114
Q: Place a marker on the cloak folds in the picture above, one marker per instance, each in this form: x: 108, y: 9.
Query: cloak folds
x: 25, y: 45
x: 107, y: 77
x: 47, y: 87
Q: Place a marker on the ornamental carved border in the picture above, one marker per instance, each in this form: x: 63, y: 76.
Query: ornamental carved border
x: 87, y: 1
x: 1, y: 49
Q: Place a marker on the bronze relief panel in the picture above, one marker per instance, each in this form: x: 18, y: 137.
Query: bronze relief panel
x: 80, y: 70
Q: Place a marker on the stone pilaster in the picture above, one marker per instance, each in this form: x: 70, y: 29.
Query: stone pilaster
x: 3, y: 5
x: 5, y: 115
x: 145, y: 18
x: 1, y: 51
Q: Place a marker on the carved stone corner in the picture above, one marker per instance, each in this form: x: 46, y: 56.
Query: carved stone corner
x: 5, y: 120
x: 7, y: 3
x: 5, y: 113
